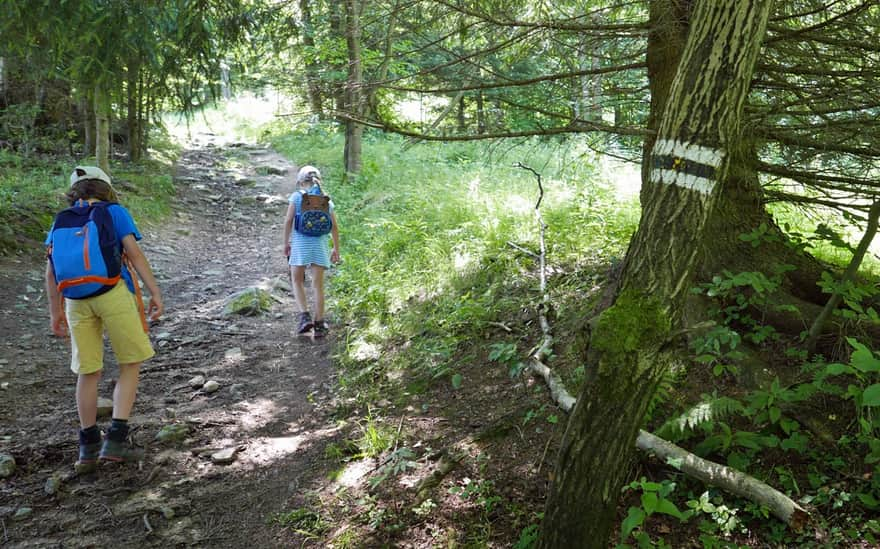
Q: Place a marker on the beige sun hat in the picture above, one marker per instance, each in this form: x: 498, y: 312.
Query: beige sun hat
x: 307, y: 172
x: 81, y: 173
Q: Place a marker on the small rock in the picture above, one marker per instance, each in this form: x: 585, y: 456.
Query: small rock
x: 274, y: 170
x: 105, y: 407
x: 22, y: 513
x: 173, y: 432
x: 197, y: 382
x: 170, y: 413
x: 4, y: 361
x: 211, y: 386
x: 248, y: 302
x: 52, y: 485
x: 4, y: 385
x: 233, y: 354
x: 224, y: 456
x: 163, y: 335
x: 7, y: 465
x: 167, y: 512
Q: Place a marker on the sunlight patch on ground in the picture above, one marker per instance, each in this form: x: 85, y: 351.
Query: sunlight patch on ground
x: 354, y: 473
x: 257, y: 414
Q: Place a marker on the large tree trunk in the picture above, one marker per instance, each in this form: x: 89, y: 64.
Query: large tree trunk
x: 627, y: 356
x: 740, y: 207
x: 353, y: 96
x: 102, y: 129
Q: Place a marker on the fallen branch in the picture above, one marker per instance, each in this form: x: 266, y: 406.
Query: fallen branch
x: 728, y: 479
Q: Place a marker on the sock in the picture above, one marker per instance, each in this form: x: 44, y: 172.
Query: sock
x: 118, y: 430
x: 90, y: 435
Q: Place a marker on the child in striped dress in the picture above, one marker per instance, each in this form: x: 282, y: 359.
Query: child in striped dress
x: 309, y: 251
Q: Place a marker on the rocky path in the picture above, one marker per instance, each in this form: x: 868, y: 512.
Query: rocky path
x: 222, y: 458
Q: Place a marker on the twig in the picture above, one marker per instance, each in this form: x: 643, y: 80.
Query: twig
x: 523, y: 250
x: 543, y: 456
x: 147, y: 524
x: 501, y: 325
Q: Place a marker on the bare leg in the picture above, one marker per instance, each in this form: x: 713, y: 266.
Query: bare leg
x: 87, y: 398
x: 298, y: 276
x: 318, y: 283
x: 126, y: 390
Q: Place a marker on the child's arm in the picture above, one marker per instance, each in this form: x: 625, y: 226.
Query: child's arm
x: 56, y: 304
x: 288, y: 226
x: 142, y: 266
x: 334, y: 233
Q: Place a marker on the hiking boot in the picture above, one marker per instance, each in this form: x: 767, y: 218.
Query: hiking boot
x: 120, y: 452
x: 305, y: 323
x: 321, y: 328
x: 88, y: 458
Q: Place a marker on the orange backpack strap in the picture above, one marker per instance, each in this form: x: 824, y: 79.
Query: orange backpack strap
x: 138, y: 295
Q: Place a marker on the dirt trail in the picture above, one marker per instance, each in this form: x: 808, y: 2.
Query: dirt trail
x: 273, y: 404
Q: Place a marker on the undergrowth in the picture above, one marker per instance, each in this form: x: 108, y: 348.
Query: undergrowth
x: 32, y: 190
x: 433, y: 240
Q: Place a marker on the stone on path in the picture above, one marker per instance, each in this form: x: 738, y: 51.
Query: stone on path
x: 22, y: 513
x: 224, y: 456
x: 7, y: 465
x: 248, y: 302
x: 211, y: 386
x: 197, y: 382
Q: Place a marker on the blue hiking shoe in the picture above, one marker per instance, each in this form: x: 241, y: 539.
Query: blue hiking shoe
x: 88, y: 458
x: 120, y: 452
x: 305, y: 323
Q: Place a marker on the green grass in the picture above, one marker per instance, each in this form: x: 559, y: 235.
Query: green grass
x: 32, y: 191
x: 427, y: 229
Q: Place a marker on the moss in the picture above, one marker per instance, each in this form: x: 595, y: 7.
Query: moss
x: 634, y: 322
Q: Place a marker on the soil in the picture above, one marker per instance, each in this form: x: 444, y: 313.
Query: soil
x: 272, y: 405
x: 469, y: 465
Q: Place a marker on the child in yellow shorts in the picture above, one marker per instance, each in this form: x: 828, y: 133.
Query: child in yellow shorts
x: 112, y: 309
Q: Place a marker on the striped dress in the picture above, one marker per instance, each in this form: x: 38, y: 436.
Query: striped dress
x: 308, y: 250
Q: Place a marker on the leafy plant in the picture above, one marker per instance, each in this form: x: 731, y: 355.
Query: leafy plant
x: 654, y: 499
x: 400, y: 461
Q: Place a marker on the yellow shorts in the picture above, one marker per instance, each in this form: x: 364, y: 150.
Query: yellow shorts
x: 115, y: 311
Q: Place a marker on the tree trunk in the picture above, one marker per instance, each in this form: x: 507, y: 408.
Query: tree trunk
x: 353, y: 130
x: 740, y: 207
x: 627, y: 357
x: 102, y: 129
x: 313, y: 91
x: 133, y: 121
x: 481, y: 114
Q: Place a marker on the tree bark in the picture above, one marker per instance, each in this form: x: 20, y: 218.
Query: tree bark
x: 313, y: 89
x: 353, y: 130
x: 102, y: 129
x: 132, y: 119
x: 628, y: 356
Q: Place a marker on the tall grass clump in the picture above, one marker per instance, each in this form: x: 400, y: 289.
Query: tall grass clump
x: 428, y: 233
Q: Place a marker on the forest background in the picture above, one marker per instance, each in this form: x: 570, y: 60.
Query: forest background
x: 472, y: 148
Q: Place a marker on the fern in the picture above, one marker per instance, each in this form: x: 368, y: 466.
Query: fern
x: 711, y: 409
x: 665, y: 389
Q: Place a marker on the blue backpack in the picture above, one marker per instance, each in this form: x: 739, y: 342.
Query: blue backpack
x: 85, y: 253
x: 313, y: 213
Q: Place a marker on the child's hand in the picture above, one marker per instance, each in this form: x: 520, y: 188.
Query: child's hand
x: 59, y: 325
x: 155, y: 308
x: 334, y: 255
x: 287, y: 250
